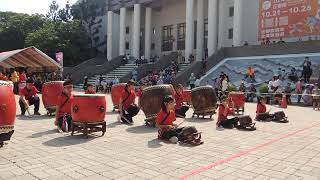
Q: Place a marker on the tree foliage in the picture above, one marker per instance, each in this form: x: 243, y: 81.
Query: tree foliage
x: 55, y: 32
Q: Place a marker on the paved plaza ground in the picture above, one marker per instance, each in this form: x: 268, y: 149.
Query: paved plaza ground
x: 273, y: 151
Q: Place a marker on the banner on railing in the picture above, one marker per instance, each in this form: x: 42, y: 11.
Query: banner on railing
x: 288, y: 18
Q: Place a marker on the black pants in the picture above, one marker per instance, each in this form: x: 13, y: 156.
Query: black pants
x: 61, y: 124
x: 229, y: 123
x: 16, y: 88
x: 132, y: 111
x: 172, y: 133
x: 32, y: 101
x: 264, y: 116
x: 192, y: 86
x: 182, y: 111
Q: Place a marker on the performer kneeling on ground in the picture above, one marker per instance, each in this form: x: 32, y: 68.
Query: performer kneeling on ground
x: 28, y: 97
x: 63, y: 111
x: 90, y: 89
x: 128, y: 108
x: 261, y: 113
x: 180, y: 108
x: 224, y: 112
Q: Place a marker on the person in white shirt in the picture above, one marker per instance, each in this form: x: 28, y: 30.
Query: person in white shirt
x: 224, y: 85
x: 97, y: 83
x: 197, y: 83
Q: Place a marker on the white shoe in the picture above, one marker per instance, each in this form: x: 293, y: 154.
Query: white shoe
x: 119, y: 118
x: 219, y: 128
x: 174, y: 140
x: 59, y: 129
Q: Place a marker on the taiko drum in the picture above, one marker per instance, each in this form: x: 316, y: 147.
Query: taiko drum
x: 50, y: 92
x: 7, y: 107
x: 204, y: 100
x: 238, y: 98
x: 186, y: 95
x: 88, y: 108
x: 152, y: 97
x: 116, y: 92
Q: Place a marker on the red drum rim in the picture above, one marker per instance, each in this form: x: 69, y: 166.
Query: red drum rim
x: 53, y: 82
x: 89, y: 96
x: 120, y: 84
x: 208, y: 110
x: 200, y: 88
x: 6, y: 83
x: 157, y: 87
x: 88, y: 122
x: 6, y: 128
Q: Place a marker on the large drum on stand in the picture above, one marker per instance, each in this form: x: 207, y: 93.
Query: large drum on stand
x: 239, y: 99
x: 7, y: 111
x: 116, y: 92
x: 151, y: 101
x: 88, y: 113
x: 50, y: 92
x: 187, y: 96
x: 204, y: 101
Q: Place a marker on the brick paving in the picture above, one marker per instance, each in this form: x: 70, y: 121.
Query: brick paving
x: 37, y: 151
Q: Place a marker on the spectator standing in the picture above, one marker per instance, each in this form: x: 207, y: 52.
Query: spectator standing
x: 307, y: 70
x: 288, y: 91
x: 197, y: 82
x: 242, y: 87
x: 252, y: 93
x: 97, y: 83
x: 299, y: 89
x: 224, y: 85
x: 15, y: 79
x: 281, y: 41
x: 85, y: 83
x: 192, y: 81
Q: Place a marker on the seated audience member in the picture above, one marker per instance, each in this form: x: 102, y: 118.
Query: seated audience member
x: 180, y: 108
x: 223, y: 113
x: 252, y: 93
x: 90, y: 89
x: 288, y: 91
x: 128, y: 108
x: 293, y: 76
x: 63, y: 111
x: 250, y: 73
x: 316, y: 96
x: 29, y: 97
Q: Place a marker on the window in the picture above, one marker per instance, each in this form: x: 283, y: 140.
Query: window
x: 153, y: 46
x: 231, y: 11
x: 181, y: 36
x: 127, y: 45
x: 230, y: 33
x: 167, y: 38
x: 127, y: 30
x: 154, y: 30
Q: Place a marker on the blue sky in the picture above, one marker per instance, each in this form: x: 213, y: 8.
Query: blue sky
x: 30, y: 6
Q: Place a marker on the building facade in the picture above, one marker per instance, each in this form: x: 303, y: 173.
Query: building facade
x: 198, y: 27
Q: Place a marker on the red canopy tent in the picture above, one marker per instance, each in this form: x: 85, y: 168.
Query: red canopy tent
x: 31, y: 58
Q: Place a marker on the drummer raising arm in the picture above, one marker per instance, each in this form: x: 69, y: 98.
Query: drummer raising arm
x: 223, y: 113
x: 63, y: 111
x: 28, y: 97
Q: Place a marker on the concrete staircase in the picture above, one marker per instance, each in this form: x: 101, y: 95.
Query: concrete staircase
x: 116, y: 73
x: 183, y: 66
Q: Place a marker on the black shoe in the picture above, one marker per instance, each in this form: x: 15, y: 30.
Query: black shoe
x: 37, y: 113
x: 23, y: 113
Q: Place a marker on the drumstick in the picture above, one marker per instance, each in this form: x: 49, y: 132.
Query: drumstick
x: 28, y: 111
x: 181, y: 123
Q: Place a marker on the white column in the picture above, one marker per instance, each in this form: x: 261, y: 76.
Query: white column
x: 222, y: 12
x: 136, y: 31
x: 237, y: 22
x: 189, y: 29
x: 147, y: 48
x: 122, y: 42
x: 109, y: 35
x: 212, y: 26
x: 200, y: 29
